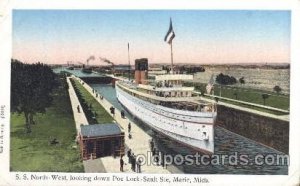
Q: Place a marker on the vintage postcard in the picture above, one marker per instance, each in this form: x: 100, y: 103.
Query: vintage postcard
x: 105, y: 94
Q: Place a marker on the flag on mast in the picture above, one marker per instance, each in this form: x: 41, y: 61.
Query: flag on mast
x: 170, y: 34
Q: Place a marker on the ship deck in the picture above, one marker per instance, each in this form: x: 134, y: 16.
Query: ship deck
x: 136, y: 90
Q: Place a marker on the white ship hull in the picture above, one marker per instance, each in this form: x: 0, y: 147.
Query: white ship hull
x: 194, y: 129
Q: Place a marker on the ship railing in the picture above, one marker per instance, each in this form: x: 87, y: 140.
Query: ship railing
x: 207, y: 108
x: 179, y: 114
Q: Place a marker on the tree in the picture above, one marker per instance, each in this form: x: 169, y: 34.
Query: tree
x: 31, y: 87
x: 264, y: 97
x: 225, y: 79
x: 242, y: 80
x: 277, y: 89
x: 190, y: 69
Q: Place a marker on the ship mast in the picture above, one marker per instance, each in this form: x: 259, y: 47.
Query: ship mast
x: 172, y: 57
x: 129, y: 73
x: 168, y: 38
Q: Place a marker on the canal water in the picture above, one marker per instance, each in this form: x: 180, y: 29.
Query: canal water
x: 226, y: 143
x: 77, y: 72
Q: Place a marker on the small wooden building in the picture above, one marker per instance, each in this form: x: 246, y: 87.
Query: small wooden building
x: 101, y: 140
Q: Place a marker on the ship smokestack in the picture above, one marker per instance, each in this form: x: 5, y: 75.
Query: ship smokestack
x: 141, y: 71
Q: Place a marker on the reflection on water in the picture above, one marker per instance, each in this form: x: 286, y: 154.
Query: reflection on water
x: 226, y: 143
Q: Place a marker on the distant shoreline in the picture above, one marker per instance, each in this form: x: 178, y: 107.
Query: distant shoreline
x: 224, y: 65
x: 235, y: 65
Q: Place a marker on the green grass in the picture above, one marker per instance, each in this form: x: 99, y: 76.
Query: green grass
x: 86, y: 100
x: 249, y: 95
x: 33, y: 153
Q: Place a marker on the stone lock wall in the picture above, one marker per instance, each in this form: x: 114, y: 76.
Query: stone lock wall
x: 268, y: 131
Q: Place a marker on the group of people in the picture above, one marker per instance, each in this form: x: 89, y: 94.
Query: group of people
x: 134, y: 161
x: 112, y: 110
x: 97, y: 94
x: 157, y: 155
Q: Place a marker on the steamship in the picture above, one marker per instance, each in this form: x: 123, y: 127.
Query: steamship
x: 169, y: 107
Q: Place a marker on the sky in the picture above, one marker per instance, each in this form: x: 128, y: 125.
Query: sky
x: 202, y: 36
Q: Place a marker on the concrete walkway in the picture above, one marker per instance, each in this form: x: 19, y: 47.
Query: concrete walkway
x: 139, y: 144
x: 93, y: 166
x: 248, y: 103
x: 280, y: 117
x: 79, y: 117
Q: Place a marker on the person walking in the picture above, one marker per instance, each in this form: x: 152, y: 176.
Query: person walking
x: 151, y: 145
x: 157, y: 157
x: 129, y: 127
x: 130, y: 159
x: 162, y: 159
x: 129, y: 155
x: 138, y: 166
x: 153, y: 151
x: 123, y: 114
x: 121, y: 164
x: 112, y: 111
x: 78, y: 109
x: 133, y: 163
